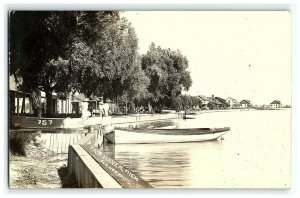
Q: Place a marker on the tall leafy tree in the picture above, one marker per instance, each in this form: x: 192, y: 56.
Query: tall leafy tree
x: 116, y: 54
x: 168, y: 75
x: 90, y: 75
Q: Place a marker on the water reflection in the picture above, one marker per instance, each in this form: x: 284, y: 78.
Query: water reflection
x: 162, y: 165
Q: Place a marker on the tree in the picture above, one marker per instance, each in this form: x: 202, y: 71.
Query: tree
x: 53, y: 51
x: 116, y: 54
x: 168, y: 75
x: 135, y: 90
x: 105, y: 66
x: 38, y: 44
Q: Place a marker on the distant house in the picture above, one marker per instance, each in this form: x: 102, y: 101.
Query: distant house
x: 204, y: 101
x: 275, y: 104
x: 224, y: 103
x: 233, y: 102
x: 214, y: 103
x: 245, y: 104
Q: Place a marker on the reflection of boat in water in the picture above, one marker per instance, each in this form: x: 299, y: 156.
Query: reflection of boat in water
x: 138, y: 136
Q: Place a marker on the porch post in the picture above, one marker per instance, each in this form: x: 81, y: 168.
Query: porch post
x: 18, y: 106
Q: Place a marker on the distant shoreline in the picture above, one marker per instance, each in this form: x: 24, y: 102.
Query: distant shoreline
x: 132, y: 118
x: 233, y: 110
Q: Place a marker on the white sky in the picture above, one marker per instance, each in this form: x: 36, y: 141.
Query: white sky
x: 220, y: 46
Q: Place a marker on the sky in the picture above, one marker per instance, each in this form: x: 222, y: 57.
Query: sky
x: 239, y: 54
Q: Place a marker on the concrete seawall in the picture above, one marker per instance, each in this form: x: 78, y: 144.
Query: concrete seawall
x: 88, y: 173
x: 94, y: 169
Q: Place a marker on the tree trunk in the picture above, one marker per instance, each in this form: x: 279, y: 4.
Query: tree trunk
x: 49, y: 103
x: 36, y: 103
x: 126, y: 109
x: 104, y: 98
x: 149, y: 107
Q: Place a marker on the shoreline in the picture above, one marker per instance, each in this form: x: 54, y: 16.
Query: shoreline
x: 179, y: 114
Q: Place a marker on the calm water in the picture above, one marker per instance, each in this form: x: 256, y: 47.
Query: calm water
x: 255, y: 153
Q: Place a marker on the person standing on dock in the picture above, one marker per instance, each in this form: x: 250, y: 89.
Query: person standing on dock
x: 104, y: 109
x: 84, y: 110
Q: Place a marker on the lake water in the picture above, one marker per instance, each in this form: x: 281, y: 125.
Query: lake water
x: 255, y: 153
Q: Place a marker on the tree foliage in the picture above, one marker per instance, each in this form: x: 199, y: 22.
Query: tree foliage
x: 168, y: 75
x: 91, y: 52
x: 186, y: 102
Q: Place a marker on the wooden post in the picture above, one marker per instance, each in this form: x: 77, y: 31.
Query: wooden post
x: 90, y: 129
x: 30, y: 105
x: 23, y: 104
x: 17, y: 104
x: 67, y: 105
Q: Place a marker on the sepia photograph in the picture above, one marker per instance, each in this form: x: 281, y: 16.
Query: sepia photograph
x: 149, y: 99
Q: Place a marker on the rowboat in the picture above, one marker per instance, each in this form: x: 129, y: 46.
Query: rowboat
x: 168, y: 135
x: 189, y: 116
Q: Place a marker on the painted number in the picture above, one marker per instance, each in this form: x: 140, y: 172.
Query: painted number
x: 44, y: 122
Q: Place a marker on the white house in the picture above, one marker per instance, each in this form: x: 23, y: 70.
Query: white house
x: 245, y: 104
x: 275, y: 104
x: 233, y: 102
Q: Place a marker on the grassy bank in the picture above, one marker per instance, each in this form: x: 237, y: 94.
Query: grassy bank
x: 33, y: 166
x: 25, y: 172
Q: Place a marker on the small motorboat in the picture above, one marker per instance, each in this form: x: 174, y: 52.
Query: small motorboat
x: 147, y: 136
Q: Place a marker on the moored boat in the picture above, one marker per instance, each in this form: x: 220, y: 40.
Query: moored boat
x: 138, y: 136
x: 56, y: 123
x: 189, y: 116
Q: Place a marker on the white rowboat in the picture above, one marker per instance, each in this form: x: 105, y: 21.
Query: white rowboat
x: 138, y: 136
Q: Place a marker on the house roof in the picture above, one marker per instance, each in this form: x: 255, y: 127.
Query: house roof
x: 234, y: 101
x: 223, y: 101
x: 203, y: 97
x: 218, y: 102
x: 214, y: 100
x: 276, y: 102
x: 245, y: 102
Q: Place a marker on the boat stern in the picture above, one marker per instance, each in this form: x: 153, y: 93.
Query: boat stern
x: 110, y: 136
